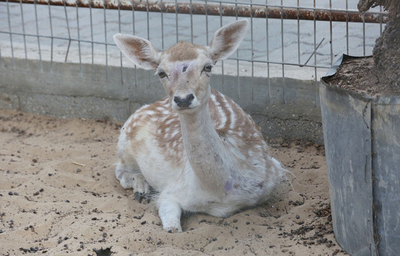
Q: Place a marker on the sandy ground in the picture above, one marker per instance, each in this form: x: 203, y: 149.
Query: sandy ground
x: 59, y: 196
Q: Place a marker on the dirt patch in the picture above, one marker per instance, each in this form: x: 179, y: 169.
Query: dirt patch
x: 360, y: 75
x: 59, y: 196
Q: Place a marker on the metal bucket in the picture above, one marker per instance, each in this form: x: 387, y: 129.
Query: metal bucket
x: 362, y: 143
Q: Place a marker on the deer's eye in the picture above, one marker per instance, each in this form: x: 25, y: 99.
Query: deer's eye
x: 207, y: 68
x: 162, y: 74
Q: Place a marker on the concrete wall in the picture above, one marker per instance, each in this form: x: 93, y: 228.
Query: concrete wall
x: 286, y: 109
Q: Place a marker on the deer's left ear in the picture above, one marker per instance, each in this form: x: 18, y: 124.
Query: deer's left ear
x: 227, y: 39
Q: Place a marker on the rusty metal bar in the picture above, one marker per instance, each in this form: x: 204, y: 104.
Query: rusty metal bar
x: 239, y: 10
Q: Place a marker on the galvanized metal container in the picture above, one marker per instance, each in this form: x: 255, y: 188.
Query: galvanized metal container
x: 362, y: 143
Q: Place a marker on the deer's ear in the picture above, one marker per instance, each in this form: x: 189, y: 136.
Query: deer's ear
x: 227, y: 39
x: 140, y: 51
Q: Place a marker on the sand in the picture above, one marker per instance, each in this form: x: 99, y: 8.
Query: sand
x: 59, y: 196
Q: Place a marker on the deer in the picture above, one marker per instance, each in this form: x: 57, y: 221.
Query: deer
x: 196, y: 148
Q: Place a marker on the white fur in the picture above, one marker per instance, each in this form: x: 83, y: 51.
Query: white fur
x: 209, y: 172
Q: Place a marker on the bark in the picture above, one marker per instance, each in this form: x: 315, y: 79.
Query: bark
x: 392, y: 6
x: 387, y: 48
x: 387, y: 54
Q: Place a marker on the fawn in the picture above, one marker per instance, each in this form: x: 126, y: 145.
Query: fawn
x: 196, y: 147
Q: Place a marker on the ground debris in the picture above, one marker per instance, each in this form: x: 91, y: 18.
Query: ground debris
x: 103, y: 252
x: 314, y: 233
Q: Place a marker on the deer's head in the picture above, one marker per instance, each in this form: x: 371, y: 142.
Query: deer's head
x: 185, y: 68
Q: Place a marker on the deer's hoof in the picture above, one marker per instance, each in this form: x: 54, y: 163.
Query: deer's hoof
x: 138, y: 196
x: 173, y: 229
x: 142, y: 197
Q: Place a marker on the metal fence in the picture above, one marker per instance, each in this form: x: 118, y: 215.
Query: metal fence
x: 288, y: 38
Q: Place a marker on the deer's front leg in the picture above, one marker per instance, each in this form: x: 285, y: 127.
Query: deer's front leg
x: 129, y: 178
x: 170, y: 215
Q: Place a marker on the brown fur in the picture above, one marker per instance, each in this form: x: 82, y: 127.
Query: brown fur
x: 183, y: 51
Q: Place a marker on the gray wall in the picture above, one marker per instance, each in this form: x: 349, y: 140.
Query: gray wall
x: 285, y: 108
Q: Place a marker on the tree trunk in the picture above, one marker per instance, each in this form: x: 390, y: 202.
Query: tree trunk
x: 387, y: 48
x: 387, y: 54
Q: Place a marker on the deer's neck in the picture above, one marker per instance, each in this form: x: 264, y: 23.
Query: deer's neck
x: 208, y: 157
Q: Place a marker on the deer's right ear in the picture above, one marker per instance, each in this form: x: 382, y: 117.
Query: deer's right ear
x: 140, y: 51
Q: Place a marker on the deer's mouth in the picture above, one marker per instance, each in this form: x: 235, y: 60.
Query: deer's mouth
x: 183, y: 109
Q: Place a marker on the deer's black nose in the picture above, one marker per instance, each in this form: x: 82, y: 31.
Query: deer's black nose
x: 184, y: 102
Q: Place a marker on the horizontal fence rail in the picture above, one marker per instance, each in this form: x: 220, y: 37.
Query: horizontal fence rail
x: 226, y: 9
